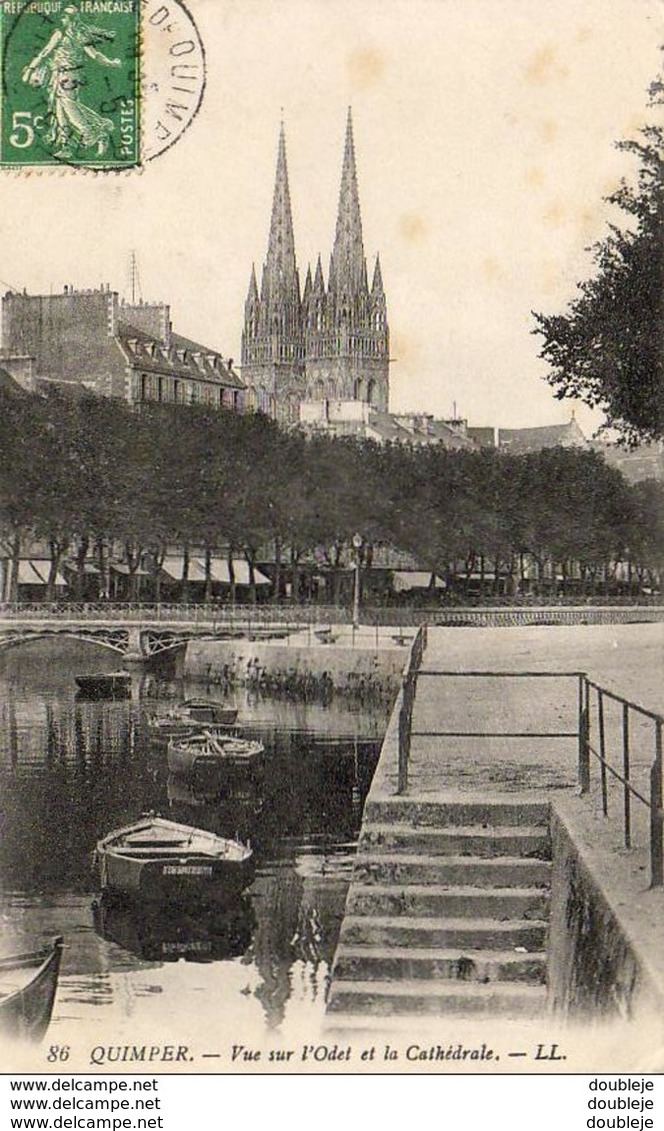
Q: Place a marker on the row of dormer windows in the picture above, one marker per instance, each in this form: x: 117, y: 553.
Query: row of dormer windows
x: 173, y: 390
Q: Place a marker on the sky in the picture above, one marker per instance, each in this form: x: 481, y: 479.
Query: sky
x: 484, y: 134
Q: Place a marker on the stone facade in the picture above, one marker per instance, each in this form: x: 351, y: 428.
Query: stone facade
x: 116, y: 349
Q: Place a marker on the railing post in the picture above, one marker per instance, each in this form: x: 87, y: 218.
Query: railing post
x: 626, y: 793
x: 404, y: 736
x: 656, y: 814
x: 602, y: 752
x: 584, y: 732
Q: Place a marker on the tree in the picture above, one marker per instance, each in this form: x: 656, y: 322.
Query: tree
x: 608, y: 348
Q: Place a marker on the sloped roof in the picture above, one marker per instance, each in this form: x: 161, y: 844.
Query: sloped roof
x: 417, y: 429
x: 547, y: 436
x: 644, y: 462
x: 181, y: 358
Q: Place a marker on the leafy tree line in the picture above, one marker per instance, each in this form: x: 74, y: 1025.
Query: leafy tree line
x: 84, y: 475
x: 606, y: 348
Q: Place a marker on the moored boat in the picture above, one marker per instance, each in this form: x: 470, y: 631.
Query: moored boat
x: 210, y: 748
x: 104, y: 685
x: 28, y: 984
x: 159, y: 859
x: 189, y: 717
x: 211, y: 711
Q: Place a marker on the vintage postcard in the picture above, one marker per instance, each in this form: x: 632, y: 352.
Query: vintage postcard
x: 331, y: 644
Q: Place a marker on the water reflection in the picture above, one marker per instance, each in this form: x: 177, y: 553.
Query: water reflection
x: 156, y: 934
x: 71, y: 770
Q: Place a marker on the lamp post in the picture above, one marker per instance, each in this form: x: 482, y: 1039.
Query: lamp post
x: 358, y: 542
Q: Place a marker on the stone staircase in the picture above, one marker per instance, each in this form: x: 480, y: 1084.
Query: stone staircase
x: 447, y: 912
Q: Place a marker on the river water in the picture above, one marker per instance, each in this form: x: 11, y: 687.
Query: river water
x: 71, y: 771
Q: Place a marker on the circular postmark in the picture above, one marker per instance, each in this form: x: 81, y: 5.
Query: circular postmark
x: 106, y: 85
x: 173, y: 71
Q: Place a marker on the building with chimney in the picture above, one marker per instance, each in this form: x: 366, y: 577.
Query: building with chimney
x: 327, y: 341
x: 92, y: 339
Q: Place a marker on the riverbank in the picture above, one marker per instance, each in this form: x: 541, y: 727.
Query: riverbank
x: 361, y: 662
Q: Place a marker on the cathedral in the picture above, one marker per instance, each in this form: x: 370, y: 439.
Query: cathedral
x: 324, y: 342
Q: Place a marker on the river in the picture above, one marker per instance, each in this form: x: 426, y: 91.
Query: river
x: 71, y: 771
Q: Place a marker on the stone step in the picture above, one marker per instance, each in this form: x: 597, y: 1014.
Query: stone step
x: 417, y: 998
x: 466, y: 871
x: 498, y: 903
x: 528, y: 841
x: 407, y: 930
x: 382, y: 963
x: 429, y: 813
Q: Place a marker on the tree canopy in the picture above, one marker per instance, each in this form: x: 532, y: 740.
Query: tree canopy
x: 86, y: 475
x: 607, y: 349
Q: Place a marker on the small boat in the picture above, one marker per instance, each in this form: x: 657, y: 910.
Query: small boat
x: 28, y: 983
x: 211, y: 711
x: 104, y: 685
x: 210, y: 748
x: 159, y: 859
x: 189, y: 717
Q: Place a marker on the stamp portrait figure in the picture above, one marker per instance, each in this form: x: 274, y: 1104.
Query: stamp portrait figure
x: 60, y: 68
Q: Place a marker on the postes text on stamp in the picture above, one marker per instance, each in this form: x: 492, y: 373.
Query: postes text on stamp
x: 70, y: 83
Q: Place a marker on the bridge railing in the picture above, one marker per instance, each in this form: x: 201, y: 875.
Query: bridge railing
x: 641, y: 779
x: 191, y: 613
x: 315, y: 614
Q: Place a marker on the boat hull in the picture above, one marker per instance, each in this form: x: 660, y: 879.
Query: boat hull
x: 159, y: 860
x: 176, y: 881
x: 184, y: 760
x: 210, y: 712
x: 26, y: 1013
x: 186, y: 720
x: 103, y: 685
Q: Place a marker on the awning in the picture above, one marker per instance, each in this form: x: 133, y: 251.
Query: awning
x: 35, y: 571
x: 120, y: 567
x: 404, y: 579
x: 88, y: 567
x: 219, y: 571
x: 172, y: 567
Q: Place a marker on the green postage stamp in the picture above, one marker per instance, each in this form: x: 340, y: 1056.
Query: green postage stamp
x: 70, y: 92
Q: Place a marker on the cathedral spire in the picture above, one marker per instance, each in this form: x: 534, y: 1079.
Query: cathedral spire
x: 377, y: 290
x: 252, y: 294
x: 280, y: 270
x: 347, y: 265
x: 319, y: 282
x: 306, y: 294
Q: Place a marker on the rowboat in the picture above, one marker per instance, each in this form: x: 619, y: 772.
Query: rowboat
x: 28, y: 983
x: 104, y: 685
x: 159, y: 859
x: 190, y: 717
x: 210, y: 748
x: 210, y: 711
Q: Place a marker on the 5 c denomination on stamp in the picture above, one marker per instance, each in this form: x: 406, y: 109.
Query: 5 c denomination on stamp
x: 96, y: 84
x: 70, y: 91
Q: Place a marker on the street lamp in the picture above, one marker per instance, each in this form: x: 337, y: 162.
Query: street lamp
x: 357, y: 542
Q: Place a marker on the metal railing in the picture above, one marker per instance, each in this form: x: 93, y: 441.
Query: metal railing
x: 198, y: 613
x: 588, y: 746
x: 372, y: 615
x: 587, y: 750
x: 409, y: 687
